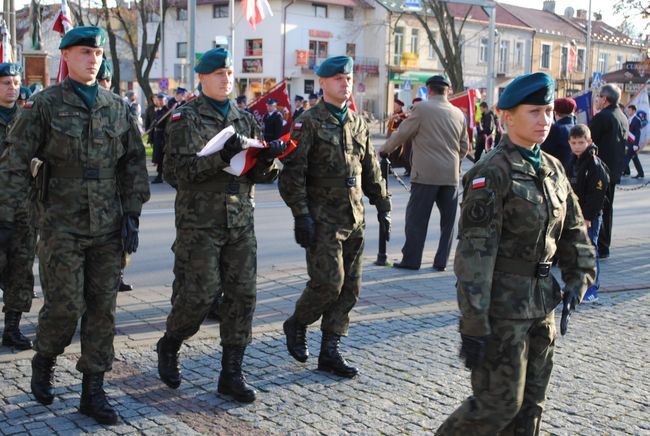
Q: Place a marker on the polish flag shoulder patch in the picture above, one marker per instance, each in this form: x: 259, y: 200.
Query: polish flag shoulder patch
x: 297, y: 126
x: 176, y: 116
x: 28, y: 104
x: 478, y: 183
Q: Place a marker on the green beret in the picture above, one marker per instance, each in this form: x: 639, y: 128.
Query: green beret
x: 335, y: 65
x: 88, y: 36
x: 438, y: 80
x: 536, y: 89
x: 25, y: 93
x: 213, y: 60
x: 10, y: 69
x: 105, y: 71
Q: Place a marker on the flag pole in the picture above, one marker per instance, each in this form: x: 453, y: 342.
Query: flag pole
x: 232, y: 29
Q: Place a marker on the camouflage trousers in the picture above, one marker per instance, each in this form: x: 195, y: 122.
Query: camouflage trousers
x: 79, y: 275
x: 334, y: 267
x: 208, y: 261
x: 510, y: 387
x: 17, y: 275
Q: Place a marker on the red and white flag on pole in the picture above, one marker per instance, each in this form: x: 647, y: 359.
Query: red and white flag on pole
x: 5, y: 43
x: 256, y: 10
x: 62, y: 25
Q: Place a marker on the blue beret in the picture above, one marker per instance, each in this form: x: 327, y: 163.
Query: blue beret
x: 271, y: 101
x: 105, y: 71
x: 213, y: 60
x: 10, y: 69
x: 438, y: 80
x: 88, y: 36
x: 180, y: 90
x: 535, y: 89
x: 160, y: 95
x: 335, y: 65
x: 299, y: 98
x: 25, y: 93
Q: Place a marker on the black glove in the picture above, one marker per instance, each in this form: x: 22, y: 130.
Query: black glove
x: 570, y: 300
x: 384, y: 223
x: 383, y: 154
x: 473, y: 350
x: 6, y: 233
x: 275, y: 149
x: 130, y: 230
x: 305, y: 230
x: 233, y: 145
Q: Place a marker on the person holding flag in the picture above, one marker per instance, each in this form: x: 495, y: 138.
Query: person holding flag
x: 215, y: 248
x: 323, y: 182
x: 82, y: 146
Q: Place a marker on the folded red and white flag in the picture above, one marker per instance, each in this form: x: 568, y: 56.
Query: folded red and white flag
x: 242, y: 161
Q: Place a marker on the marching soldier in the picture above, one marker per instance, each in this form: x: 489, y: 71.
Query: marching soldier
x: 16, y: 275
x: 85, y: 149
x: 215, y: 247
x: 517, y: 214
x: 323, y: 182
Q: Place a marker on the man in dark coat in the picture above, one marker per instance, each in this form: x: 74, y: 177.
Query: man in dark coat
x: 557, y: 142
x: 157, y: 134
x: 609, y: 132
x: 633, y: 141
x: 273, y: 121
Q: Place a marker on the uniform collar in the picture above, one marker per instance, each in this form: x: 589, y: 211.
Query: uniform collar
x: 206, y: 109
x: 322, y: 113
x: 70, y: 96
x: 518, y: 163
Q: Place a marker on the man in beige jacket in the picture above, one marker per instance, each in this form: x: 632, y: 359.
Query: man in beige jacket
x: 438, y: 131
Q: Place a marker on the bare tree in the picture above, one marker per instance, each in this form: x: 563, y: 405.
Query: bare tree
x: 434, y: 16
x: 112, y: 45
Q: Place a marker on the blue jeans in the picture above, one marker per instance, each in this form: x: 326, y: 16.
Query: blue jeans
x: 593, y: 232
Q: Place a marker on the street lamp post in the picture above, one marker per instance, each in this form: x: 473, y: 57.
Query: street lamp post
x: 588, y: 54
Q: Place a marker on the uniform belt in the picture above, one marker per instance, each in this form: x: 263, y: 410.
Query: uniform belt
x: 334, y: 182
x: 522, y: 267
x: 230, y: 188
x: 86, y: 173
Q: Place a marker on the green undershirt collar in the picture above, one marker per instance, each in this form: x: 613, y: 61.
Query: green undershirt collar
x: 221, y: 106
x: 340, y: 113
x: 88, y: 93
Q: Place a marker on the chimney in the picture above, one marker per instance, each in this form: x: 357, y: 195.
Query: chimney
x: 549, y: 6
x: 582, y: 14
x: 568, y: 12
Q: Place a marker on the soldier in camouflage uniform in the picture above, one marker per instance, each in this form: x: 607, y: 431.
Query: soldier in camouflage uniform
x: 215, y: 245
x: 16, y: 275
x: 91, y: 187
x: 518, y: 213
x: 323, y: 182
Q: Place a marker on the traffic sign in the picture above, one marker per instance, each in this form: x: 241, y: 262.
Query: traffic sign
x: 163, y: 84
x: 407, y: 85
x: 596, y: 78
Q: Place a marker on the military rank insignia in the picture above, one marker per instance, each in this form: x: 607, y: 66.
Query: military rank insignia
x: 478, y: 183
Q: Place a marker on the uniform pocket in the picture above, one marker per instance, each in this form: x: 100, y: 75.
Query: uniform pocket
x: 527, y: 190
x: 114, y: 134
x: 65, y: 141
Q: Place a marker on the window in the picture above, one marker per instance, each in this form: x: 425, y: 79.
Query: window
x: 180, y: 72
x: 152, y: 17
x: 148, y: 49
x: 350, y: 50
x: 220, y: 11
x: 181, y: 14
x: 603, y: 60
x: 253, y: 47
x: 348, y: 13
x: 181, y: 49
x: 580, y: 60
x: 398, y: 45
x: 414, y: 41
x: 483, y: 51
x: 619, y: 62
x: 564, y: 61
x: 309, y: 87
x: 432, y: 51
x: 317, y: 52
x: 519, y: 54
x: 320, y: 11
x: 545, y: 61
x: 504, y: 54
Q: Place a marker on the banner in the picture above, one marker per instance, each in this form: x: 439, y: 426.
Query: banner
x: 62, y: 25
x: 5, y: 43
x: 640, y: 100
x: 584, y: 107
x: 278, y: 93
x: 466, y: 102
x: 255, y: 11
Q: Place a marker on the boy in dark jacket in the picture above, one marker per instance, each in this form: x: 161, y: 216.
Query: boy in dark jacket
x: 589, y: 178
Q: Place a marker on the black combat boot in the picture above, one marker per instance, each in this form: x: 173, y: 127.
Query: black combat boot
x: 231, y: 380
x: 296, y: 339
x: 93, y: 400
x: 12, y: 336
x: 168, y: 350
x: 330, y: 358
x: 42, y: 378
x: 124, y: 287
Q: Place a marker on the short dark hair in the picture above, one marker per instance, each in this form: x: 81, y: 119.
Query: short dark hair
x: 484, y: 105
x: 580, y: 131
x: 438, y: 89
x: 632, y: 107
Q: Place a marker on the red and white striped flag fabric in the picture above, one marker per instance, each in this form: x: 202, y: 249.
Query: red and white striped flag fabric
x: 62, y: 25
x: 256, y: 10
x: 5, y: 43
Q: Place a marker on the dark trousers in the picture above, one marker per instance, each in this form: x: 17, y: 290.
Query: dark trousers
x: 418, y: 212
x: 634, y: 157
x: 605, y: 236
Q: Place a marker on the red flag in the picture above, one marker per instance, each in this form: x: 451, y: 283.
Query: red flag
x: 572, y: 59
x: 465, y: 102
x: 62, y: 25
x: 5, y: 43
x: 256, y: 10
x: 352, y: 104
x: 278, y: 93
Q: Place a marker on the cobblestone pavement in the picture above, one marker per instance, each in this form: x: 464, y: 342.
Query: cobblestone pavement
x: 410, y: 380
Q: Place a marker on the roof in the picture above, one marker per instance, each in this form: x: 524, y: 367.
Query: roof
x: 350, y: 3
x: 632, y: 72
x: 544, y: 22
x: 601, y: 31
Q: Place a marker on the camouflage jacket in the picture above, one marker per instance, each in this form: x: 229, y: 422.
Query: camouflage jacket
x: 22, y: 213
x: 328, y: 155
x: 199, y: 204
x: 512, y: 218
x: 103, y: 143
